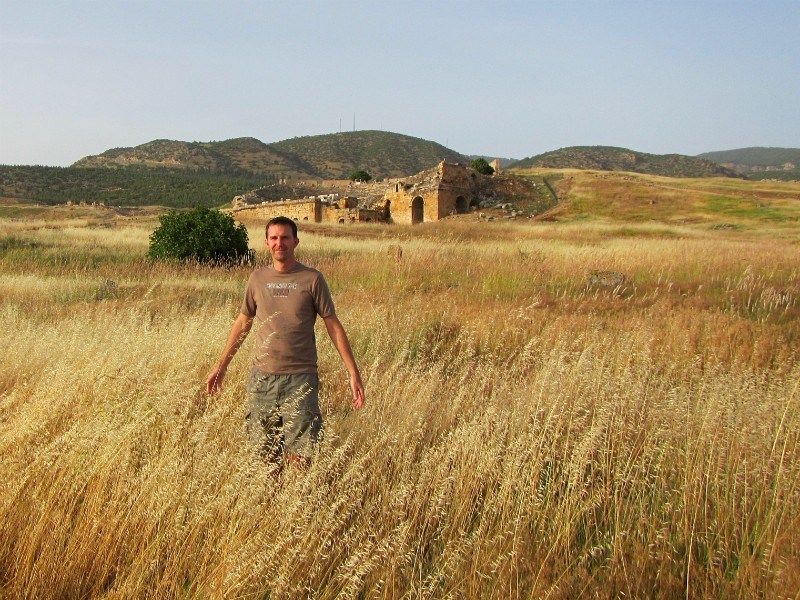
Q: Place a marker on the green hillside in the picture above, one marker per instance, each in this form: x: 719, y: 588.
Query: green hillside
x: 381, y: 153
x: 177, y: 174
x: 760, y: 162
x: 331, y: 156
x: 724, y: 203
x: 254, y: 156
x: 239, y: 156
x: 131, y: 186
x: 608, y: 158
x: 158, y: 153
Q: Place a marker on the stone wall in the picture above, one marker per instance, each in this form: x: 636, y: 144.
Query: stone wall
x: 448, y: 189
x: 297, y: 210
x: 432, y: 195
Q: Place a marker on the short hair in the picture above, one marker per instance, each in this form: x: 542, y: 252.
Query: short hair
x: 281, y: 221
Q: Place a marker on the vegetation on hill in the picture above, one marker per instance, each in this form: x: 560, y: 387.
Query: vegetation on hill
x: 130, y: 186
x: 360, y: 175
x: 755, y: 156
x: 383, y: 154
x: 481, y: 166
x: 184, y: 174
x: 158, y: 153
x: 728, y: 203
x: 504, y: 162
x: 331, y: 156
x: 608, y: 158
x: 254, y: 156
x: 759, y: 162
x: 240, y: 156
x: 181, y: 174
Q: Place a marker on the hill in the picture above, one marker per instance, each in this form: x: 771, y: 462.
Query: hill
x: 760, y: 162
x: 381, y: 153
x: 716, y: 202
x: 181, y: 174
x: 331, y: 156
x: 132, y: 186
x: 239, y: 156
x: 254, y: 156
x: 608, y: 158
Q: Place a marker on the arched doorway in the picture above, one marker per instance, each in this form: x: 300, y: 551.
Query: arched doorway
x: 387, y: 211
x: 461, y: 205
x: 417, y: 210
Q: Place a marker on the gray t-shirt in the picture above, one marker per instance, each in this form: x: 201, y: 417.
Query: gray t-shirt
x: 285, y: 306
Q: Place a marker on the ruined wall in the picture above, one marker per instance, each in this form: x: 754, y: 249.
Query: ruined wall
x: 456, y: 189
x: 365, y: 215
x: 448, y: 190
x: 414, y: 208
x: 298, y: 210
x: 313, y: 211
x: 331, y: 214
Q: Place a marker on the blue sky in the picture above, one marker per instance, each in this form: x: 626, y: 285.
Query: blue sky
x: 509, y: 79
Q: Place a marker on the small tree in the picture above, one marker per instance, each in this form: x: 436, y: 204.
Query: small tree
x: 481, y: 166
x: 360, y: 175
x: 203, y: 235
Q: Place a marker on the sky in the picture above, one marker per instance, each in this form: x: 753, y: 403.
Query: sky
x: 507, y: 79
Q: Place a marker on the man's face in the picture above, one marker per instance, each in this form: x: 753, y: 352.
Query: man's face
x: 281, y: 242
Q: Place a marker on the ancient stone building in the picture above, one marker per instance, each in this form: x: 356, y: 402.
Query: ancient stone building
x: 314, y: 210
x: 431, y: 195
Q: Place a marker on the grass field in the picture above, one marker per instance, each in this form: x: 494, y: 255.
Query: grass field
x: 526, y: 433
x: 635, y: 197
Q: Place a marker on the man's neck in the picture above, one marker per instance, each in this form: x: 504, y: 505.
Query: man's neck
x: 284, y: 266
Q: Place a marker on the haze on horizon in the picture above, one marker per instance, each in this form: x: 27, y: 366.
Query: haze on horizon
x: 509, y: 79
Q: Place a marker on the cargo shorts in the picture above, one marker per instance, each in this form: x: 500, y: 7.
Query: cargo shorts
x: 283, y: 414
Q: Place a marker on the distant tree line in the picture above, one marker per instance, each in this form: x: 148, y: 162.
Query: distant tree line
x: 130, y: 186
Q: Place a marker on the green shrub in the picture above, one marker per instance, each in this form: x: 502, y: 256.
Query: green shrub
x: 360, y: 175
x: 481, y: 166
x: 204, y: 235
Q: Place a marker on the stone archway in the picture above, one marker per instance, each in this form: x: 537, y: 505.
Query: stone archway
x: 461, y: 205
x: 417, y: 210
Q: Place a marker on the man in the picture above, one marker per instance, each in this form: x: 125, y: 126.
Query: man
x: 286, y: 297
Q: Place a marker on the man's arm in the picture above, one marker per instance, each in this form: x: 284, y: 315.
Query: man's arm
x: 339, y: 339
x: 241, y: 327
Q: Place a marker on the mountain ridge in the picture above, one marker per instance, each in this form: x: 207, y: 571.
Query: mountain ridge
x: 389, y: 155
x: 327, y: 156
x: 612, y: 158
x: 760, y: 162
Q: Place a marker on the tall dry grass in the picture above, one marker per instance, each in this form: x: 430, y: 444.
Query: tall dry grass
x: 525, y: 434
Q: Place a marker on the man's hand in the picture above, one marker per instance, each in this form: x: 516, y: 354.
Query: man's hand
x: 239, y: 331
x: 214, y: 380
x: 358, y: 391
x: 339, y: 339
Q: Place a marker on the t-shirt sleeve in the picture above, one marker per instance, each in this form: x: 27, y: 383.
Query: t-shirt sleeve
x: 248, y: 308
x: 323, y: 302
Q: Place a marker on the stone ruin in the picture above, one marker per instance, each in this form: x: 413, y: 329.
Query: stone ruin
x: 445, y: 190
